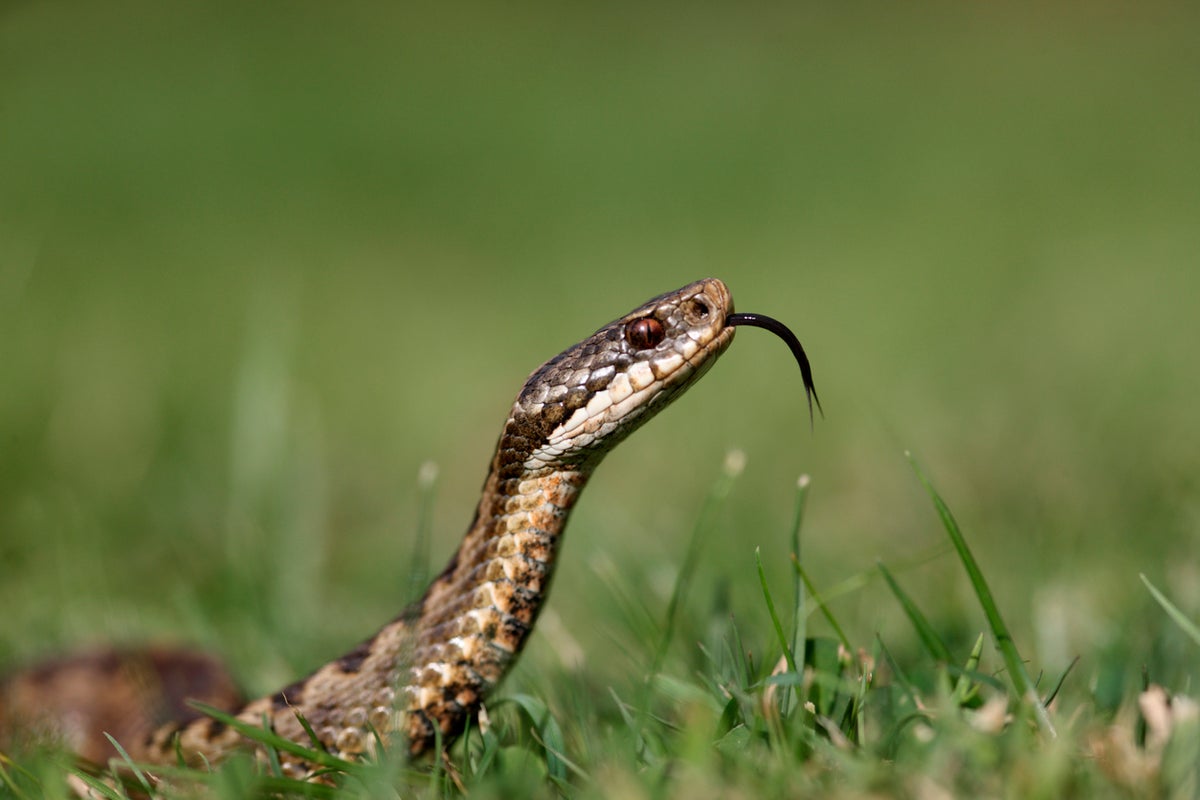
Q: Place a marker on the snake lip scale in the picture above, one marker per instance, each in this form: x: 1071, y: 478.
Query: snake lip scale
x: 426, y: 673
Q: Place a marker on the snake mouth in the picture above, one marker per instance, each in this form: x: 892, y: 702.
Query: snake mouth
x: 783, y: 332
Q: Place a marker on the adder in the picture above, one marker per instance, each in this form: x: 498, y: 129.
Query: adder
x: 427, y: 672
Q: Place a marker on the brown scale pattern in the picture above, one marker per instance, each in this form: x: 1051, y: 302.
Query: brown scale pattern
x: 435, y: 664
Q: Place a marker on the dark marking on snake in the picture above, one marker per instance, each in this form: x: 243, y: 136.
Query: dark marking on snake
x: 437, y: 662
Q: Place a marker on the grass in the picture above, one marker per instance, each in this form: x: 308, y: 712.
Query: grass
x: 259, y: 267
x: 808, y: 715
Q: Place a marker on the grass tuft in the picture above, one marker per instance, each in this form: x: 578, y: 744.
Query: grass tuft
x: 758, y: 708
x: 1018, y: 674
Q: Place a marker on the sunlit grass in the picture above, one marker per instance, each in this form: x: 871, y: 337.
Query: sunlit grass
x: 259, y: 266
x: 772, y: 716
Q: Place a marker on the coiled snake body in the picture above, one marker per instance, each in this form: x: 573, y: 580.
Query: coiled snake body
x: 431, y: 668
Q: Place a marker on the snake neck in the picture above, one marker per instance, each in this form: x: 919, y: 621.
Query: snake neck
x: 505, y: 560
x: 476, y: 616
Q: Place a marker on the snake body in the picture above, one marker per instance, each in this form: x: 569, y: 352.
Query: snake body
x: 425, y: 674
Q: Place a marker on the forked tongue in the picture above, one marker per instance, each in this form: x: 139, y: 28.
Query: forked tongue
x: 783, y: 332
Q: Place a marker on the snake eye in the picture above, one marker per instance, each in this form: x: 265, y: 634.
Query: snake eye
x: 645, y: 333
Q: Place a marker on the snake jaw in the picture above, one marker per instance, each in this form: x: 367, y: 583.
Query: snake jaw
x: 581, y: 403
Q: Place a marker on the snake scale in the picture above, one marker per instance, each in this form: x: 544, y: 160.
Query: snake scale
x: 427, y: 672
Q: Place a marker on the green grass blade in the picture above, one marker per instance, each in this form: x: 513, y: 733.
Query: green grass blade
x: 272, y: 739
x: 308, y: 730
x: 785, y: 695
x: 272, y: 753
x: 975, y: 676
x: 1000, y: 634
x: 418, y: 565
x: 798, y: 621
x: 964, y: 692
x: 491, y: 747
x: 779, y: 634
x: 833, y: 623
x: 435, y: 775
x: 933, y: 643
x: 291, y: 787
x: 735, y: 462
x: 141, y: 776
x: 562, y: 758
x: 853, y: 722
x: 799, y: 618
x: 1188, y: 627
x: 639, y: 740
x: 100, y: 787
x: 1140, y: 730
x: 9, y: 782
x: 545, y: 729
x: 739, y: 656
x: 1061, y: 680
x: 898, y: 673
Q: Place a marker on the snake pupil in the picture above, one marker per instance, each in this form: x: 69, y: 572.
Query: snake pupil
x: 645, y: 333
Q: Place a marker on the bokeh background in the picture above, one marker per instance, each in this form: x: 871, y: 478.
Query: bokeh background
x: 260, y: 262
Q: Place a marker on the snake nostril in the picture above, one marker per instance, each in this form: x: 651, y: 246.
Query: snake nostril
x: 696, y: 311
x: 645, y: 333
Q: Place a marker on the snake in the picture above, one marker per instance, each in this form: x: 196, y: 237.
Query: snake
x: 424, y: 676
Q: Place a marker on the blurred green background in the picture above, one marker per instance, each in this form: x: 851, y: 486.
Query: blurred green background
x: 260, y: 262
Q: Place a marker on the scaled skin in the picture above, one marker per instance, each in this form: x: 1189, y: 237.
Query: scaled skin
x: 435, y: 664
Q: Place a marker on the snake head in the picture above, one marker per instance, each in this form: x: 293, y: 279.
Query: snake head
x: 578, y: 405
